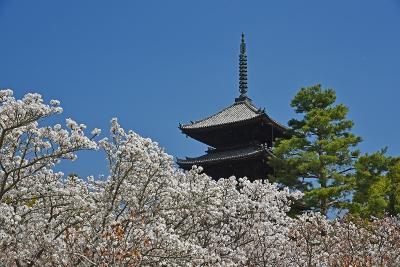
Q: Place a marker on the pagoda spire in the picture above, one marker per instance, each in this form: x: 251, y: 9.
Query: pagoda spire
x: 242, y: 71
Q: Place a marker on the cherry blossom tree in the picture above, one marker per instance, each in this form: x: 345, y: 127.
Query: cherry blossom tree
x: 37, y: 205
x: 319, y: 242
x: 150, y: 213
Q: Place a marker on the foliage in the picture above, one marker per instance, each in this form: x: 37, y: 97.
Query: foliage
x: 377, y: 186
x: 148, y: 213
x: 319, y: 155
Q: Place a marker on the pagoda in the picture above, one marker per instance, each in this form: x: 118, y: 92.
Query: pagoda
x: 240, y: 137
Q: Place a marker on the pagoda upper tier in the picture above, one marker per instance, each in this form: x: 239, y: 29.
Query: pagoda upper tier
x: 238, y: 124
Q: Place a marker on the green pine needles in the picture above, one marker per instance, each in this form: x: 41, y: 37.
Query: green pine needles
x: 376, y: 186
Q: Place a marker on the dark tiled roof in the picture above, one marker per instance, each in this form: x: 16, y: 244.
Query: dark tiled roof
x: 232, y: 154
x: 237, y: 112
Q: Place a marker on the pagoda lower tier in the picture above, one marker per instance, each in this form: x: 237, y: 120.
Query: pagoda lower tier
x: 249, y: 161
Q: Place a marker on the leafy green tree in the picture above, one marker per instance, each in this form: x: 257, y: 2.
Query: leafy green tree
x: 377, y: 186
x: 319, y: 156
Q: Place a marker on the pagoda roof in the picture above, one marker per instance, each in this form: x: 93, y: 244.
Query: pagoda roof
x: 214, y: 156
x: 240, y: 111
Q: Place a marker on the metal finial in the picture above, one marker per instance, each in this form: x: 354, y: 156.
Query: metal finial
x: 243, y: 45
x: 243, y: 69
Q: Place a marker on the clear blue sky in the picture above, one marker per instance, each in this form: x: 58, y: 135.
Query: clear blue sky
x: 154, y: 64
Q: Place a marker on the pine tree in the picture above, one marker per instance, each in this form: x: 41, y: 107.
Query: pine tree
x: 377, y: 186
x: 319, y: 156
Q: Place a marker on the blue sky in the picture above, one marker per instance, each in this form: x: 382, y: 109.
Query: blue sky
x: 154, y: 64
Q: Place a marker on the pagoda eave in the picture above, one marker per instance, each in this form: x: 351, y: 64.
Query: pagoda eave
x: 245, y: 153
x: 262, y: 128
